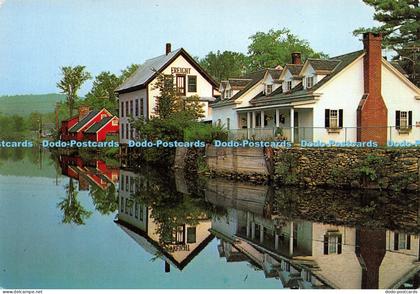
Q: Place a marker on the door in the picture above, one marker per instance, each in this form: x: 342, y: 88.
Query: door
x: 180, y: 84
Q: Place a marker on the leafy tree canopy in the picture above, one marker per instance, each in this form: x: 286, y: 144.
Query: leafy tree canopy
x: 400, y: 26
x: 224, y: 65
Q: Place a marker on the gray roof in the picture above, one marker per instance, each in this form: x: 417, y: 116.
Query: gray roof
x: 97, y: 126
x: 147, y: 70
x: 84, y: 121
x: 238, y: 83
x: 294, y: 68
x: 323, y: 64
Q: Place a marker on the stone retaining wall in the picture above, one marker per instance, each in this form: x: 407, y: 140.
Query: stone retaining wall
x: 393, y: 169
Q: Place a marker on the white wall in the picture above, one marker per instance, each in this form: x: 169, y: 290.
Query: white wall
x: 223, y: 113
x: 204, y: 88
x: 342, y: 92
x: 399, y: 96
x: 124, y: 120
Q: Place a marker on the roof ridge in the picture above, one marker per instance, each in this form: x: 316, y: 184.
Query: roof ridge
x: 344, y: 55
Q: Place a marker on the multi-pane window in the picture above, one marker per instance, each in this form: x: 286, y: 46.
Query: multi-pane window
x: 192, y: 83
x: 228, y: 94
x: 268, y: 89
x: 332, y: 244
x: 309, y: 82
x: 127, y: 113
x: 131, y: 107
x: 228, y: 123
x: 136, y: 107
x: 333, y: 118
x: 122, y: 131
x: 403, y: 119
x: 288, y: 85
x: 141, y: 106
x: 141, y: 211
x: 127, y: 131
x: 122, y: 109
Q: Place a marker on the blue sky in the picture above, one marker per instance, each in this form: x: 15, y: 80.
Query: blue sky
x: 39, y: 36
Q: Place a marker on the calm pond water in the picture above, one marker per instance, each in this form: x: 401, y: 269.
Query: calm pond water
x: 70, y: 222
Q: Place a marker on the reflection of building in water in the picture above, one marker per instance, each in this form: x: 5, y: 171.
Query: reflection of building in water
x: 94, y: 172
x: 179, y: 246
x: 306, y: 254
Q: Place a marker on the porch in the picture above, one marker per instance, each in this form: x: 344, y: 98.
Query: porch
x: 288, y: 124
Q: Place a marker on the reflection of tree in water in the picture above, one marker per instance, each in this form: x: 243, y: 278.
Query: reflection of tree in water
x: 105, y: 201
x: 170, y: 209
x: 73, y: 211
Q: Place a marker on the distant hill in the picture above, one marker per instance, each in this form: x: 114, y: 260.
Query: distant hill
x: 25, y: 104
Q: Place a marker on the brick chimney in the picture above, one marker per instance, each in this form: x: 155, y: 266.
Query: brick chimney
x: 83, y: 111
x: 168, y: 48
x: 296, y: 58
x: 372, y: 113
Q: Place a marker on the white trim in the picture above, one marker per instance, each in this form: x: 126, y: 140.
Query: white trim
x: 401, y: 76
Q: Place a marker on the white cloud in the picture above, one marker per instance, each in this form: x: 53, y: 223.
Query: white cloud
x: 1, y: 2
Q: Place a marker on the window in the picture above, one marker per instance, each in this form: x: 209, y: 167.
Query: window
x: 333, y: 118
x: 402, y: 241
x: 126, y: 183
x: 136, y: 107
x: 219, y: 122
x: 115, y: 122
x: 180, y: 84
x: 191, y: 235
x: 122, y: 109
x: 131, y: 184
x: 332, y: 243
x: 403, y: 119
x: 141, y: 211
x: 103, y: 115
x: 131, y: 107
x: 192, y: 83
x: 309, y: 82
x: 228, y: 94
x: 122, y: 183
x: 122, y: 131
x: 288, y: 85
x: 126, y: 109
x: 127, y: 131
x: 136, y: 211
x: 142, y: 106
x: 228, y: 123
x: 268, y: 89
x: 122, y: 204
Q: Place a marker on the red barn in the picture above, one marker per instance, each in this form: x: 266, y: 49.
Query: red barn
x: 89, y: 125
x: 99, y: 131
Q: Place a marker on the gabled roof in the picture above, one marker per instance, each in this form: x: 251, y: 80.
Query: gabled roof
x: 275, y: 73
x: 253, y: 78
x: 238, y: 84
x: 97, y: 126
x: 84, y: 121
x: 150, y: 68
x: 298, y: 93
x: 294, y: 69
x: 323, y: 65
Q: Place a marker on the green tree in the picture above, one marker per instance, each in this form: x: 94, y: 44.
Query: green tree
x: 168, y: 101
x: 72, y: 80
x: 102, y: 94
x: 224, y: 65
x: 73, y: 211
x: 400, y: 26
x: 268, y: 50
x: 128, y: 71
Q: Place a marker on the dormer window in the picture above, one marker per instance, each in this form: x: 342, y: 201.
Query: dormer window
x: 268, y: 89
x: 228, y: 94
x: 288, y: 85
x: 309, y: 82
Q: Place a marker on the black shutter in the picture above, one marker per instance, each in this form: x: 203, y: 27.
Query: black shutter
x: 395, y: 241
x: 340, y: 118
x: 327, y: 118
x: 325, y: 244
x: 397, y: 119
x: 410, y: 119
x: 340, y: 246
x: 408, y: 242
